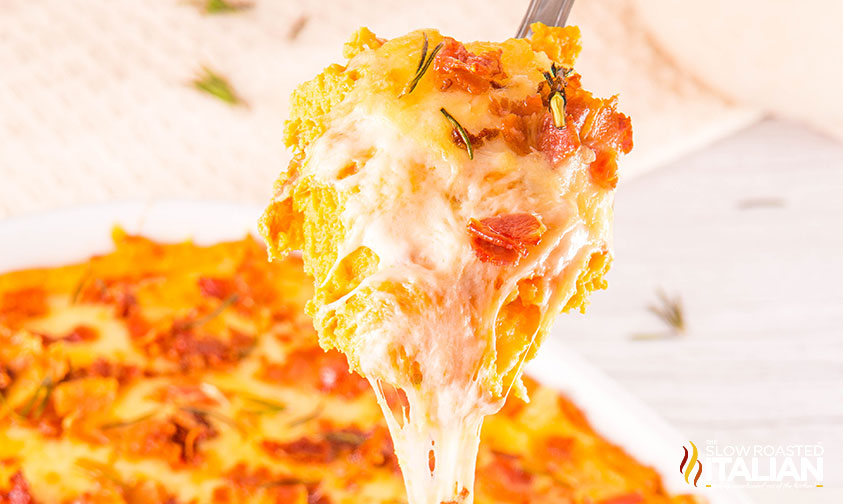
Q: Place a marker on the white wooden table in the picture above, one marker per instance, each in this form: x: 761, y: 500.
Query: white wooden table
x: 749, y: 233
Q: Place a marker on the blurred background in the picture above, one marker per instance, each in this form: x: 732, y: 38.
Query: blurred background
x: 725, y: 308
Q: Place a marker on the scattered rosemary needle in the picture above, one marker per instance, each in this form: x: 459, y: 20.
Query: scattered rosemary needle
x: 223, y: 6
x: 77, y: 290
x: 126, y: 423
x: 216, y: 85
x: 266, y: 406
x: 99, y: 470
x: 41, y: 397
x: 557, y: 100
x: 421, y: 69
x: 198, y: 322
x: 310, y: 416
x: 671, y: 312
x: 346, y: 437
x: 211, y: 414
x: 461, y: 131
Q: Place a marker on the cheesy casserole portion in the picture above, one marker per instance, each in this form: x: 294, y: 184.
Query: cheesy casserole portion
x: 175, y: 374
x: 450, y: 200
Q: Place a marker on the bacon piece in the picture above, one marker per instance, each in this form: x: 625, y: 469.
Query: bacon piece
x: 17, y: 306
x: 18, y: 492
x: 455, y: 67
x: 503, y: 239
x: 219, y: 288
x: 476, y: 140
x: 79, y: 334
x: 558, y: 143
x: 597, y: 124
x: 505, y: 478
x: 628, y: 498
x: 245, y: 483
x: 326, y: 371
x: 106, y: 369
x: 371, y: 449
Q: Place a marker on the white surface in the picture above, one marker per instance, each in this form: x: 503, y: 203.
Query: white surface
x: 762, y: 361
x: 86, y: 230
x: 97, y: 102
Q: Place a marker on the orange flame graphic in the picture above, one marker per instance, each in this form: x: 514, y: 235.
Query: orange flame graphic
x: 686, y: 467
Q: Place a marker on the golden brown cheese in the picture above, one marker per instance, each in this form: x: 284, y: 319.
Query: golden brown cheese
x: 183, y: 374
x: 450, y: 200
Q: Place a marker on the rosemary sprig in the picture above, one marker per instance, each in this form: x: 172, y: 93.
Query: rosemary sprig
x: 461, y: 131
x: 671, y: 312
x: 39, y: 399
x: 557, y: 100
x: 198, y: 322
x: 310, y: 416
x: 208, y: 413
x: 223, y: 6
x: 77, y: 290
x: 266, y: 406
x: 216, y: 85
x: 100, y: 470
x: 346, y: 437
x: 126, y: 423
x: 421, y: 69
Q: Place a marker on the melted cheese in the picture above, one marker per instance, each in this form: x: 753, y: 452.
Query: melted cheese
x: 287, y: 417
x: 379, y: 200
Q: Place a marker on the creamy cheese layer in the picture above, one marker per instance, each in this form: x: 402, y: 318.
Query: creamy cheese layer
x: 380, y: 201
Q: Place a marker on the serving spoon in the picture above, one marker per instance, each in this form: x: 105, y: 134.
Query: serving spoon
x: 549, y: 12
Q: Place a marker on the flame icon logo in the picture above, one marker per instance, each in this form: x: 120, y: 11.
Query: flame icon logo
x: 687, y: 466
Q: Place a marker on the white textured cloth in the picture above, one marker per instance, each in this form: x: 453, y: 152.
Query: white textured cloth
x: 96, y: 101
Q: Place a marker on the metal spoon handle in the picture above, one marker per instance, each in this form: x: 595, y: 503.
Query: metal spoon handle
x: 549, y: 12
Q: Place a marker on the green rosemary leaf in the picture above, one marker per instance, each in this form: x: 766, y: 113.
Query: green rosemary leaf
x: 224, y: 7
x: 346, y: 437
x: 198, y: 322
x: 38, y: 401
x: 461, y: 131
x: 421, y: 69
x: 216, y: 85
x: 100, y: 470
x: 126, y: 423
x: 208, y: 413
x: 77, y: 290
x: 670, y: 311
x: 266, y: 406
x: 310, y: 416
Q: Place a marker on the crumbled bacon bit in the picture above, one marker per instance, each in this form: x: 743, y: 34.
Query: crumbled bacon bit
x: 219, y: 288
x: 79, y: 334
x: 503, y: 239
x: 557, y: 143
x: 106, y: 369
x: 372, y: 448
x: 628, y: 498
x: 326, y: 371
x: 476, y: 140
x: 596, y: 124
x: 455, y: 67
x: 18, y: 492
x: 245, y: 482
x: 17, y: 306
x: 505, y: 478
x: 191, y: 429
x: 195, y: 351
